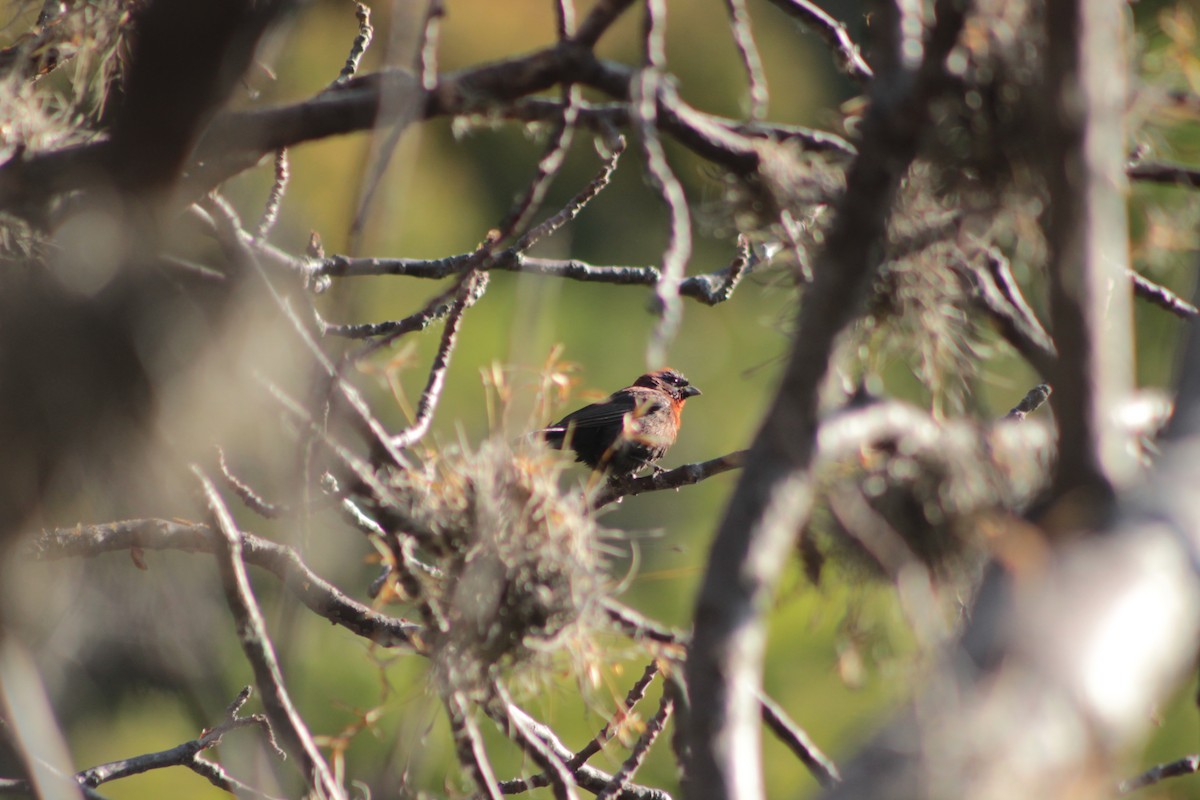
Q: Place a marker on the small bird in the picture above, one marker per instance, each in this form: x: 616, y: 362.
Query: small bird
x: 630, y: 430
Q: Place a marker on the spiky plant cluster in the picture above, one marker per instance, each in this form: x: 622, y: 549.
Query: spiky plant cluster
x: 518, y: 570
x: 82, y: 41
x: 926, y: 496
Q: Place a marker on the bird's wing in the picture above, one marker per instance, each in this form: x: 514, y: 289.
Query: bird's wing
x: 606, y: 412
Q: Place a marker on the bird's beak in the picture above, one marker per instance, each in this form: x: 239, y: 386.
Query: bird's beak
x: 690, y: 391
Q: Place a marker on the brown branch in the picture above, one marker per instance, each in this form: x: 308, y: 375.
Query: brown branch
x: 743, y: 38
x: 317, y: 594
x: 638, y: 627
x: 187, y: 754
x: 686, y: 475
x: 285, y: 720
x: 1031, y: 402
x: 640, y: 750
x: 251, y: 499
x: 270, y: 213
x: 587, y: 777
x: 472, y: 283
x: 792, y: 735
x: 995, y: 291
x: 632, y: 698
x: 1161, y: 296
x: 468, y: 744
x: 1164, y: 173
x: 1184, y: 766
x: 555, y: 771
x: 846, y: 52
x: 359, y: 48
x: 183, y: 755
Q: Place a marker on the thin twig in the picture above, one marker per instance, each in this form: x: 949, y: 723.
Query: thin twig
x: 437, y: 371
x: 743, y: 37
x: 640, y: 627
x: 359, y: 48
x: 239, y: 249
x: 572, y: 209
x: 587, y: 777
x: 316, y: 593
x: 557, y: 773
x: 1032, y: 401
x: 686, y: 475
x: 468, y: 744
x: 426, y: 70
x: 270, y: 213
x: 1161, y: 296
x: 252, y: 500
x: 256, y: 644
x: 1174, y: 769
x: 798, y: 741
x: 648, y: 89
x: 632, y: 698
x: 640, y: 750
x: 845, y: 51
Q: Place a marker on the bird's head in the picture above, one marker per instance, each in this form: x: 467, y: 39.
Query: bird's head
x: 670, y: 381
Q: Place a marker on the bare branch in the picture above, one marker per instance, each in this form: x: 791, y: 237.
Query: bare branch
x: 1031, y: 402
x: 472, y: 282
x: 791, y: 734
x: 845, y: 51
x: 247, y: 495
x: 555, y: 770
x: 632, y: 698
x: 686, y: 475
x: 252, y: 633
x: 587, y: 777
x: 317, y: 594
x: 630, y: 767
x: 743, y: 37
x: 361, y: 42
x: 270, y: 213
x: 1168, y: 174
x: 1086, y: 232
x: 468, y: 744
x: 1161, y: 296
x: 1184, y: 766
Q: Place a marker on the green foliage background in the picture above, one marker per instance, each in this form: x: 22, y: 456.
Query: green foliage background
x: 840, y: 654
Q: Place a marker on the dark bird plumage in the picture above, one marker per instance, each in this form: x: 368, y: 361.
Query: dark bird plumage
x: 631, y: 429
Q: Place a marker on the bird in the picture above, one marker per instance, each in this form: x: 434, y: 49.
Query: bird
x: 628, y: 431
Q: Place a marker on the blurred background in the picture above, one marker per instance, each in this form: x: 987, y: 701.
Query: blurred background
x: 140, y: 659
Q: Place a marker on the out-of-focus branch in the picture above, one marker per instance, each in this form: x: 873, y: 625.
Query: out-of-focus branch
x: 1160, y: 772
x: 1169, y: 174
x: 317, y: 594
x: 799, y: 742
x: 846, y: 52
x: 184, y: 755
x: 1087, y: 236
x: 1161, y: 296
x: 774, y: 494
x: 285, y: 719
x: 588, y: 777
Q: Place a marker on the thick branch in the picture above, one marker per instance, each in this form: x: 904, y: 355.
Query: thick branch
x: 774, y: 493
